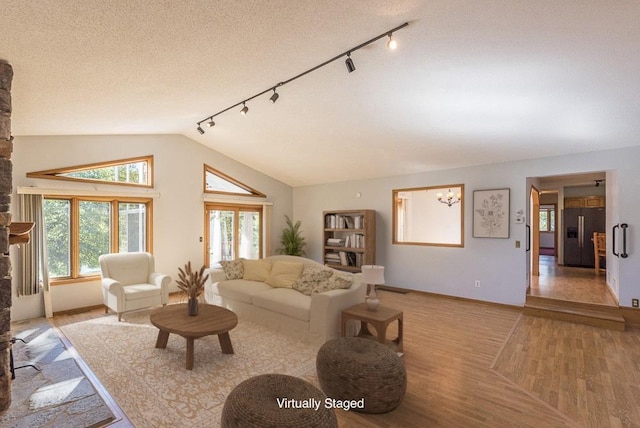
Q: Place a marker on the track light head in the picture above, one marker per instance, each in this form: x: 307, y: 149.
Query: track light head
x: 391, y: 43
x: 200, y: 130
x: 211, y: 123
x: 275, y: 96
x: 244, y: 110
x: 349, y: 63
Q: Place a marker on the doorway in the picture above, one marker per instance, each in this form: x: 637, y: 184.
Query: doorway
x: 550, y: 276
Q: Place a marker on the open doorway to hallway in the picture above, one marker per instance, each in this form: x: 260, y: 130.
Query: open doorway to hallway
x: 566, y: 263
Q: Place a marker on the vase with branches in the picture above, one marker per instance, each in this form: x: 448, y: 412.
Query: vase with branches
x: 291, y: 239
x: 192, y: 284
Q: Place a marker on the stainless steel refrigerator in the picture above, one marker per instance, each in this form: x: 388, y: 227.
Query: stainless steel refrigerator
x: 579, y: 225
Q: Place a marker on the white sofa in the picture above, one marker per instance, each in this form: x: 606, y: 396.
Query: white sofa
x: 312, y: 318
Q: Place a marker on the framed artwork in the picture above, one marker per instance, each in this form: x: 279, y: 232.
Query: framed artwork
x: 491, y: 213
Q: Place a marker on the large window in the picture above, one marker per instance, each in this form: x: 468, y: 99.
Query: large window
x: 80, y: 229
x: 233, y: 231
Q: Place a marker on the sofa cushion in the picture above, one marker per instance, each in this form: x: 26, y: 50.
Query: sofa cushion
x: 233, y: 269
x: 141, y: 291
x: 284, y: 274
x: 256, y: 270
x: 284, y: 301
x: 311, y: 278
x: 239, y: 289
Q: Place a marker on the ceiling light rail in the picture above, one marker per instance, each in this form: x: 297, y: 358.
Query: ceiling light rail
x: 391, y: 44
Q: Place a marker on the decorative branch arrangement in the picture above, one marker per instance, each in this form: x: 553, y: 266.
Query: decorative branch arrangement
x: 192, y: 283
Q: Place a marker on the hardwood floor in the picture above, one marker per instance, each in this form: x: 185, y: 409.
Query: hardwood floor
x: 570, y: 283
x: 480, y: 365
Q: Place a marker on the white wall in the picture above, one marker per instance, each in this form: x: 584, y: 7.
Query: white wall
x: 178, y: 216
x: 500, y: 267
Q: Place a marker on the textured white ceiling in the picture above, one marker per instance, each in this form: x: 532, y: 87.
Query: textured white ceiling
x: 472, y: 82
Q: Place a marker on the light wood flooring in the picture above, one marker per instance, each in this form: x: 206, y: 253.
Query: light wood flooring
x: 570, y: 283
x: 473, y: 364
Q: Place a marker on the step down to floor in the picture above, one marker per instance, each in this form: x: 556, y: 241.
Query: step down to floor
x: 589, y: 314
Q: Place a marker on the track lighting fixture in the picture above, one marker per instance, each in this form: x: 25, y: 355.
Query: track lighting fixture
x: 211, y: 123
x: 275, y: 96
x: 391, y: 44
x: 349, y: 63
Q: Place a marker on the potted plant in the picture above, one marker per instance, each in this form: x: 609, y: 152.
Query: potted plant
x: 291, y: 239
x: 192, y: 283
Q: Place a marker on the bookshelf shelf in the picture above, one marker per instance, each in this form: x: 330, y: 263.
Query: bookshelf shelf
x: 349, y: 239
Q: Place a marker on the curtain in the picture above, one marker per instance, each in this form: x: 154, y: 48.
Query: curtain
x: 33, y: 256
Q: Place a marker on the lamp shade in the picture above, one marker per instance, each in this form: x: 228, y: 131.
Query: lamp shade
x: 373, y: 274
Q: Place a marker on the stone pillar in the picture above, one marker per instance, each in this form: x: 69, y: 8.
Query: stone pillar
x: 6, y: 147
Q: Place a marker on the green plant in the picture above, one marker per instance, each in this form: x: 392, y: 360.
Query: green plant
x: 291, y: 240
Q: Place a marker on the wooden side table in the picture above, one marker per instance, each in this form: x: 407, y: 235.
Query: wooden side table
x: 379, y: 319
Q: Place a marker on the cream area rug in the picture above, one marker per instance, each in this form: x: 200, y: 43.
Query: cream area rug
x: 152, y: 385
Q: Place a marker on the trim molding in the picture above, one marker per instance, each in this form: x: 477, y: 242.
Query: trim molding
x: 83, y: 192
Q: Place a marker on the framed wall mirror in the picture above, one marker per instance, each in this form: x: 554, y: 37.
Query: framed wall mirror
x: 429, y: 216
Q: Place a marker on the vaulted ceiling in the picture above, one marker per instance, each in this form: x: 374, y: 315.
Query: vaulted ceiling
x: 472, y: 82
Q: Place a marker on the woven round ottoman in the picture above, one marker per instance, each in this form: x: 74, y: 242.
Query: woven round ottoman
x: 352, y: 368
x: 276, y: 400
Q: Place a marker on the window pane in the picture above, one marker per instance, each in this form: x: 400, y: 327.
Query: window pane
x: 95, y: 233
x: 544, y: 220
x: 57, y: 220
x: 132, y: 227
x: 552, y: 220
x: 249, y: 235
x: 221, y: 229
x: 135, y: 172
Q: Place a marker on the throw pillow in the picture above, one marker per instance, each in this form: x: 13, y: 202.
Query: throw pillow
x: 256, y: 270
x: 336, y: 282
x: 284, y: 274
x: 233, y: 269
x: 313, y: 280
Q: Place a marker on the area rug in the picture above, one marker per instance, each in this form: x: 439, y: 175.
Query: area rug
x: 152, y: 385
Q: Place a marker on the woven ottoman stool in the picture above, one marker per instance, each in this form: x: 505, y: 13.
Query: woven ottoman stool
x: 274, y: 401
x: 353, y: 368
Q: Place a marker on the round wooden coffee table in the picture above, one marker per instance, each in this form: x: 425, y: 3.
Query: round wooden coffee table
x: 210, y: 320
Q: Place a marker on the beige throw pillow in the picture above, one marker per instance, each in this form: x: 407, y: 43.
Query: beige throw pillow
x: 284, y: 274
x: 256, y: 270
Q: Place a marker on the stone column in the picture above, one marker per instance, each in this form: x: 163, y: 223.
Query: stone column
x: 6, y: 147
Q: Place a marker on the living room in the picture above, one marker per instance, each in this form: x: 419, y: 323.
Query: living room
x: 485, y: 94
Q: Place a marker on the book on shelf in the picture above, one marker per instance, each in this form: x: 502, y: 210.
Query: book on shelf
x: 332, y: 255
x: 336, y: 242
x: 342, y: 221
x: 348, y: 258
x: 354, y: 240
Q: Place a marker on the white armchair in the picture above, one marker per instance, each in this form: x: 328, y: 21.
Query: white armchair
x: 129, y: 282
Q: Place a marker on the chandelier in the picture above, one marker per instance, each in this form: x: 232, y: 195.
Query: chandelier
x: 450, y: 198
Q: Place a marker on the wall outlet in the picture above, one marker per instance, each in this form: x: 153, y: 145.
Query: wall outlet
x: 477, y: 284
x: 635, y: 303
